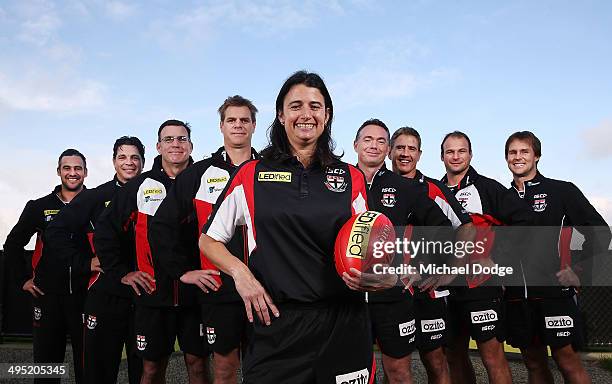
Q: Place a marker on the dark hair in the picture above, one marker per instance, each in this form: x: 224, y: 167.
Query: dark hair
x: 408, y: 131
x: 237, y: 101
x: 376, y: 122
x: 177, y: 123
x: 129, y: 140
x: 71, y: 152
x: 528, y: 137
x: 456, y: 134
x: 278, y: 143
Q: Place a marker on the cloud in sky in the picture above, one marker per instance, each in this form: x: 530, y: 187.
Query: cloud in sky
x: 268, y: 17
x: 598, y: 140
x: 38, y: 21
x: 119, y: 10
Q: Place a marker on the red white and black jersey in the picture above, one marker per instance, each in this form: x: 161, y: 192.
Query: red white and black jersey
x: 406, y: 203
x: 34, y: 219
x: 558, y: 208
x: 177, y: 224
x: 446, y: 200
x: 129, y: 214
x: 489, y: 204
x: 70, y: 237
x: 292, y: 215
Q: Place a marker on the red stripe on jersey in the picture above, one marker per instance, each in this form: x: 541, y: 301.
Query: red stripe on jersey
x: 94, y: 275
x: 37, y: 252
x: 358, y: 186
x: 372, y: 371
x: 143, y: 249
x: 433, y: 191
x: 203, y: 210
x: 247, y: 179
x: 486, y: 236
x: 565, y: 255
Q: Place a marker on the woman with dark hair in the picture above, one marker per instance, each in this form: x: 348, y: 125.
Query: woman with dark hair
x: 293, y: 202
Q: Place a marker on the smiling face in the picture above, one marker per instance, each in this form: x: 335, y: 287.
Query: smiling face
x: 72, y: 172
x: 237, y: 127
x: 456, y: 155
x: 174, y: 151
x: 127, y: 162
x: 521, y: 159
x: 405, y: 155
x: 304, y: 116
x: 372, y: 146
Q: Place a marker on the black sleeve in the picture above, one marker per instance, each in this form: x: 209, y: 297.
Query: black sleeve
x: 586, y: 220
x: 172, y: 235
x: 66, y: 236
x: 112, y: 227
x: 17, y: 239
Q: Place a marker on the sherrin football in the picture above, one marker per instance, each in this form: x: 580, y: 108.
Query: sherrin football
x: 359, y: 243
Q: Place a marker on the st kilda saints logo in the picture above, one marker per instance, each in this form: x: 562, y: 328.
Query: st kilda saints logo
x: 141, y: 342
x: 210, y: 335
x: 91, y: 321
x: 539, y: 202
x: 334, y: 179
x: 37, y: 313
x: 388, y: 197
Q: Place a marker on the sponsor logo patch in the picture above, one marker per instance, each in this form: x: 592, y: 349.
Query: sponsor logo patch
x: 357, y: 377
x: 483, y: 316
x: 539, y: 202
x: 558, y: 322
x: 407, y: 328
x: 49, y: 212
x: 37, y: 313
x: 388, y: 200
x: 279, y: 177
x: 215, y: 180
x: 141, y: 342
x: 210, y: 335
x: 433, y: 325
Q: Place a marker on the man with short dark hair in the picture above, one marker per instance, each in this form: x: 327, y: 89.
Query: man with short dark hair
x: 489, y: 204
x: 405, y: 202
x: 178, y: 223
x: 164, y: 308
x: 430, y: 306
x: 108, y: 308
x: 57, y: 293
x: 544, y: 311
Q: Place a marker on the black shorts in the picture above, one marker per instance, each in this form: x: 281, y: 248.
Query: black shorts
x: 551, y: 321
x: 394, y: 327
x: 224, y: 326
x: 315, y: 343
x: 482, y: 319
x: 158, y: 327
x: 431, y: 323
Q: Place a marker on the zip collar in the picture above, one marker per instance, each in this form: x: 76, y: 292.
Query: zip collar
x: 222, y: 155
x: 470, y: 178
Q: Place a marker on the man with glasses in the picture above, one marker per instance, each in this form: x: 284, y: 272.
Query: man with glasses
x: 165, y: 308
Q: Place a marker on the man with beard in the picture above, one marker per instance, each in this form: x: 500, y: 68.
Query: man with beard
x: 57, y: 307
x: 108, y: 307
x: 544, y: 312
x: 430, y: 306
x: 178, y: 223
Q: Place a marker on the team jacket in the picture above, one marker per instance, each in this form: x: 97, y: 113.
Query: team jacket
x: 178, y: 223
x: 292, y: 215
x: 70, y: 237
x: 489, y: 204
x: 34, y: 219
x: 439, y: 193
x: 558, y: 208
x: 131, y: 210
x: 406, y: 204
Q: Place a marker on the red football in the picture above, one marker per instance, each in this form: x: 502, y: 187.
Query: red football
x: 360, y: 242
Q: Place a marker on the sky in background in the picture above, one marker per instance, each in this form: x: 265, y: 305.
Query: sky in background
x: 82, y: 73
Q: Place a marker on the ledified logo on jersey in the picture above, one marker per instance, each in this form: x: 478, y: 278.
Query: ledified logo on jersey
x: 214, y: 180
x: 279, y: 177
x: 141, y: 342
x: 91, y: 322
